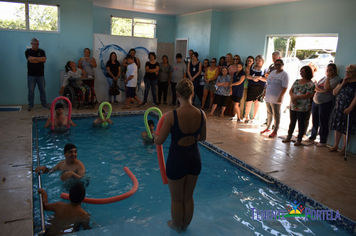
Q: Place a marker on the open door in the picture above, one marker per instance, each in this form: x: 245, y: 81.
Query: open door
x: 181, y: 46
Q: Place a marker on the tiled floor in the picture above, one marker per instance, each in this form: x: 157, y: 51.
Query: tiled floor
x: 314, y: 171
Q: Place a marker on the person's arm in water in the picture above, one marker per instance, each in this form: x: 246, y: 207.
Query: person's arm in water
x: 97, y: 121
x: 72, y: 123
x: 48, y: 206
x: 44, y: 169
x: 49, y: 123
x: 79, y: 175
x: 165, y: 130
x: 145, y: 136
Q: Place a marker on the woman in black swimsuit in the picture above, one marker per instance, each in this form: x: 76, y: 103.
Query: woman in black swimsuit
x: 187, y: 125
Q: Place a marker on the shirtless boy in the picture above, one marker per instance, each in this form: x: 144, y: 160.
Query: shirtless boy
x: 71, y: 165
x: 60, y: 120
x: 67, y: 216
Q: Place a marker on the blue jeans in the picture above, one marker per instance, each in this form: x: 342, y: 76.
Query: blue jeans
x: 150, y: 84
x: 31, y: 84
x: 111, y: 81
x: 321, y: 115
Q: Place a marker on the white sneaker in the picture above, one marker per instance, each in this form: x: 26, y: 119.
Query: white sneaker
x: 252, y: 121
x: 233, y: 118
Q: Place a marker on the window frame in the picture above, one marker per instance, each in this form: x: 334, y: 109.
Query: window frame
x: 27, y: 17
x: 133, y: 25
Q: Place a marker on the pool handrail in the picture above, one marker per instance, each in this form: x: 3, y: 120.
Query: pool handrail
x: 111, y: 199
x: 40, y: 186
x: 69, y: 110
x: 257, y: 175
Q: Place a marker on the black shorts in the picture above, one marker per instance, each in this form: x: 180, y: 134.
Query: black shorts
x: 130, y: 92
x: 220, y: 100
x: 236, y: 99
x: 254, y: 92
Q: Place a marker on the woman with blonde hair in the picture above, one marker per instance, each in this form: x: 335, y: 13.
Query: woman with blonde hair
x: 187, y: 125
x: 256, y: 84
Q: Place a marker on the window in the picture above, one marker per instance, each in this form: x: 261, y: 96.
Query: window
x: 136, y: 27
x: 26, y: 16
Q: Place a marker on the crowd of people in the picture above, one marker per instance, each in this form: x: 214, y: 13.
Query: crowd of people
x: 191, y: 82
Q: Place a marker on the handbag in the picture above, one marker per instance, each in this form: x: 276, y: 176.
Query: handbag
x: 114, y: 89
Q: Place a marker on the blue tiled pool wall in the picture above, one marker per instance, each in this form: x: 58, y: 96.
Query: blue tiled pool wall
x: 290, y: 193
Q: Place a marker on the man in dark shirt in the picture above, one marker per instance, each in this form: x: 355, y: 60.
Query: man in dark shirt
x: 35, y: 73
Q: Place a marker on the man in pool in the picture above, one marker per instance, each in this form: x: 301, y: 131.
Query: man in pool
x: 99, y: 121
x: 68, y: 217
x: 60, y: 120
x: 144, y: 135
x: 71, y: 166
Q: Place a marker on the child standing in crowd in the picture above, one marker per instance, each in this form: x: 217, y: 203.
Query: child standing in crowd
x: 131, y: 82
x: 223, y: 92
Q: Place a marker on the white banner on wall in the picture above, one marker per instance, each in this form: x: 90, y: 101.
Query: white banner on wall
x: 104, y: 44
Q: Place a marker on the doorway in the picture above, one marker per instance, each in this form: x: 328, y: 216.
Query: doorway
x: 299, y: 51
x: 181, y: 46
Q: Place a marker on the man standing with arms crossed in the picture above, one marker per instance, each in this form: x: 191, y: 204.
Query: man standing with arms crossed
x: 35, y: 73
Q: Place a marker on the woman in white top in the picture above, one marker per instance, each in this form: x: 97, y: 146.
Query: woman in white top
x: 75, y: 73
x: 276, y: 87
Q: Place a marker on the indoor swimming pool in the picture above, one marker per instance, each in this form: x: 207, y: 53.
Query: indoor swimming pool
x: 228, y: 199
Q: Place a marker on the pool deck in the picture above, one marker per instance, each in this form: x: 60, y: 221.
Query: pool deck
x: 314, y: 171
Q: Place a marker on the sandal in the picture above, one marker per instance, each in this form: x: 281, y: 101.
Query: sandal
x: 138, y: 105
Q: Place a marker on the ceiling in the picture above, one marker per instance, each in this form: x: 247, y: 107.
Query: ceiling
x: 181, y: 7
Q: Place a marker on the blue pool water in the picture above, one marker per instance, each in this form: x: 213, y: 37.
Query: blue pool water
x: 224, y: 195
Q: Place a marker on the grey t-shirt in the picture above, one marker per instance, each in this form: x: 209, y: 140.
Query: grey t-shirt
x: 178, y: 71
x: 320, y: 98
x: 164, y: 71
x: 223, y: 91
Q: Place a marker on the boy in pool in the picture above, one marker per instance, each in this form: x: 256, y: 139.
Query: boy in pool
x: 59, y: 120
x: 67, y: 217
x: 99, y: 121
x: 144, y: 135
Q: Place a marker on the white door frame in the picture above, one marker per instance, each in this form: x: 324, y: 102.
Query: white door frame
x: 175, y: 45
